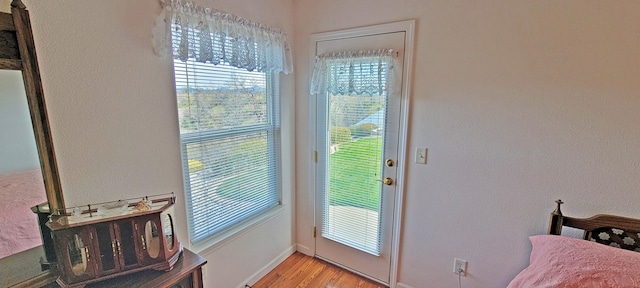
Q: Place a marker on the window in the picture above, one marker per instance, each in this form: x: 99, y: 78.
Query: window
x: 230, y: 137
x: 226, y: 78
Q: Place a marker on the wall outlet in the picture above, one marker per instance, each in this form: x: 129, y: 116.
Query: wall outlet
x: 460, y: 266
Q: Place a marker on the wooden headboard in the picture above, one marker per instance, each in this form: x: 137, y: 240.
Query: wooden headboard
x: 616, y: 231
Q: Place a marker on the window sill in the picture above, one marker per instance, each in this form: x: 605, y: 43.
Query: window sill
x: 215, y: 242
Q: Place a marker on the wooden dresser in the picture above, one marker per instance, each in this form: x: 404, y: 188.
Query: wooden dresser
x: 186, y: 273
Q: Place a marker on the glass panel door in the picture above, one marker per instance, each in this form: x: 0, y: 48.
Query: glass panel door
x: 358, y: 124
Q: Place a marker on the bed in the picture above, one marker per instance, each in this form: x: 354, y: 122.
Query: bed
x: 19, y: 230
x: 609, y: 257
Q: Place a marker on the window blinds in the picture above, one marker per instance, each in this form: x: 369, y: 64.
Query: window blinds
x: 352, y: 179
x: 230, y: 144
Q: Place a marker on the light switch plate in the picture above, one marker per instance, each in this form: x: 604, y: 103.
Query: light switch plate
x: 421, y: 155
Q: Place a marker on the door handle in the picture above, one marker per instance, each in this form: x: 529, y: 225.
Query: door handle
x: 86, y: 252
x: 113, y: 247
x: 144, y: 243
x: 386, y: 181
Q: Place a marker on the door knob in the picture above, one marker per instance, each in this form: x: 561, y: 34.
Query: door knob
x: 386, y: 181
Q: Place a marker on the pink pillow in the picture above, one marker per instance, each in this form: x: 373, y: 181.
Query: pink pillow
x: 558, y: 261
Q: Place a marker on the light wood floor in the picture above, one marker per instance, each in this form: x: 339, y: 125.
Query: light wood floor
x: 300, y: 271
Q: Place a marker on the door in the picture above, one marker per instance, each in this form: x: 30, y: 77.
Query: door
x: 106, y: 249
x: 75, y: 257
x: 357, y: 164
x: 151, y: 250
x: 126, y: 244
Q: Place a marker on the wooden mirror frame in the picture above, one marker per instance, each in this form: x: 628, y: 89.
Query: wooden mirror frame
x: 17, y: 52
x: 22, y: 56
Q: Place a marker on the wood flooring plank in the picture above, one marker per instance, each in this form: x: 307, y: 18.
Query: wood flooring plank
x: 278, y: 277
x: 302, y: 271
x: 285, y: 272
x: 313, y: 272
x: 295, y: 274
x: 329, y: 276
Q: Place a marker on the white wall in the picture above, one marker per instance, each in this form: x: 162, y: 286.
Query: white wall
x: 112, y: 109
x: 18, y: 151
x: 520, y: 103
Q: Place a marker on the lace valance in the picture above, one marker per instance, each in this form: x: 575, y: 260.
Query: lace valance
x: 188, y: 31
x: 353, y: 72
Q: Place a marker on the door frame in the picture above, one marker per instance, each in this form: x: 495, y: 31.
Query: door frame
x: 408, y: 27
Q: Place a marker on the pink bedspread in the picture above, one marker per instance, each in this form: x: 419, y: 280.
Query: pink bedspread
x: 19, y: 229
x: 563, y: 262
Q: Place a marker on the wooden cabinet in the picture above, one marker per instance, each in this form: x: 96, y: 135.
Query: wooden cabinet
x: 92, y: 248
x: 186, y: 273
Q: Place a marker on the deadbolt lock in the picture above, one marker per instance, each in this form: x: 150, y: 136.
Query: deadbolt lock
x: 389, y: 163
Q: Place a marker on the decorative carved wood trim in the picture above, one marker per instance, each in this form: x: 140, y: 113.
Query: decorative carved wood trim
x: 18, y: 4
x: 624, y: 226
x: 555, y: 223
x: 603, y: 221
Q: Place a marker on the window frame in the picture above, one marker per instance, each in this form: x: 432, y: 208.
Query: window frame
x: 272, y: 129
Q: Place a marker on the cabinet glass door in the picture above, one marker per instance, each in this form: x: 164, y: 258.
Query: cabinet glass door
x: 125, y: 244
x: 77, y: 254
x: 106, y: 248
x: 152, y: 239
x: 149, y: 234
x: 78, y: 258
x: 168, y: 231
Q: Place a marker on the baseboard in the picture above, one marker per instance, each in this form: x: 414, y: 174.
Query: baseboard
x: 267, y: 268
x: 304, y: 250
x: 402, y: 285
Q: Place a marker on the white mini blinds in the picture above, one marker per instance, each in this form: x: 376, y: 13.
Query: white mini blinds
x: 230, y: 137
x: 227, y: 91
